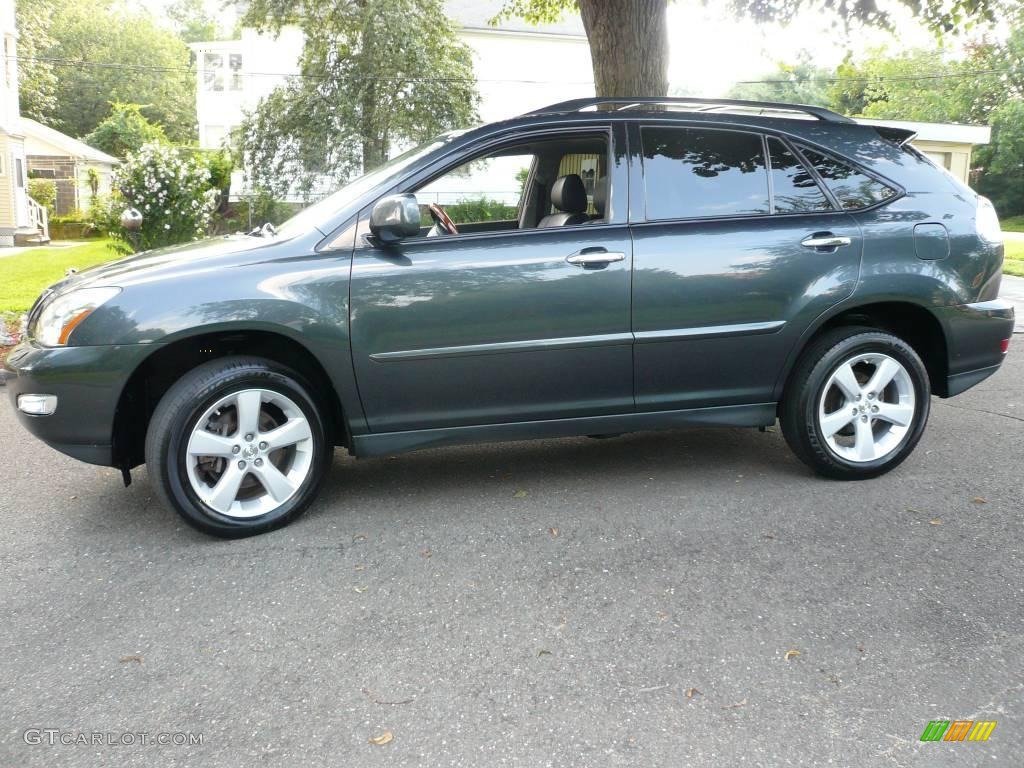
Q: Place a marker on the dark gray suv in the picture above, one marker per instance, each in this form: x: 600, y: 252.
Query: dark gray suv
x: 595, y: 267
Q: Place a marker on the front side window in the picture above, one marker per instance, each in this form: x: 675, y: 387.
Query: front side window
x: 485, y: 189
x: 852, y: 188
x: 697, y: 173
x: 794, y: 189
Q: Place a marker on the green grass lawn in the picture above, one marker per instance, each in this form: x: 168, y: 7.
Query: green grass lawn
x: 1014, y: 263
x: 24, y: 276
x: 1013, y: 224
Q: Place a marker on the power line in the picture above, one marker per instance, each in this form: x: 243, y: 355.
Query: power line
x: 402, y: 78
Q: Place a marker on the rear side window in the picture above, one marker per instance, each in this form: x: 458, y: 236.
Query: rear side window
x: 694, y: 173
x: 794, y: 189
x: 852, y: 188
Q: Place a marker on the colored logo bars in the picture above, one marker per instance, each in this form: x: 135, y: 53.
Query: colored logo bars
x: 958, y: 730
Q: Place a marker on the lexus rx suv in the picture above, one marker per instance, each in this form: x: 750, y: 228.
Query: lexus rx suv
x: 595, y: 267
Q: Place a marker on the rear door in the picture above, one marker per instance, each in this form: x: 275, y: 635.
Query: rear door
x: 737, y: 248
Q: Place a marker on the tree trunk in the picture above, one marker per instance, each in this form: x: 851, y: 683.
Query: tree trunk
x: 628, y: 46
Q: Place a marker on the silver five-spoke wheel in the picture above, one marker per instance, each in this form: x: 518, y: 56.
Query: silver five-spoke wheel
x: 866, y: 407
x: 249, y: 453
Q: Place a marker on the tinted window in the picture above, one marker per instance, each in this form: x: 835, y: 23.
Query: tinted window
x: 852, y: 188
x: 691, y: 173
x: 793, y: 187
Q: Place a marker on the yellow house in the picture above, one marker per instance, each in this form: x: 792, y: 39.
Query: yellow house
x: 947, y: 144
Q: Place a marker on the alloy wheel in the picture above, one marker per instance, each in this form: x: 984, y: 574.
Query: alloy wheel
x: 249, y: 453
x: 867, y: 407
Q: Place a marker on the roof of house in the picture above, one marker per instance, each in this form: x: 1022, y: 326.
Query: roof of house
x: 950, y: 133
x: 33, y: 130
x: 477, y: 14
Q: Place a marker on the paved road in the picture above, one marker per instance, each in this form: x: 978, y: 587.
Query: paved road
x: 1012, y: 289
x: 429, y: 596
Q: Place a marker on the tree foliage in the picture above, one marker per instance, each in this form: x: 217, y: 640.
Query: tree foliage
x: 617, y: 29
x: 124, y: 131
x: 799, y: 83
x: 102, y: 52
x: 193, y: 21
x: 373, y: 74
x: 37, y: 81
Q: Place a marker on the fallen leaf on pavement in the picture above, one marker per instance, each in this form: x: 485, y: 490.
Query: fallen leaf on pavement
x: 553, y: 531
x: 383, y: 739
x: 691, y: 692
x: 935, y: 521
x: 130, y: 659
x: 737, y: 705
x: 543, y: 652
x: 791, y: 654
x: 360, y: 590
x: 979, y: 500
x: 519, y: 495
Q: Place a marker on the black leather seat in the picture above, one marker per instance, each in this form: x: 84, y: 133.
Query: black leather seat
x: 600, y: 200
x: 569, y: 196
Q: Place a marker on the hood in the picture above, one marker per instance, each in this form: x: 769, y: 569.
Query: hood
x: 176, y: 260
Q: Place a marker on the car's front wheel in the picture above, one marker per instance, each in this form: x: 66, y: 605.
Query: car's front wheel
x: 856, y: 404
x: 237, y: 446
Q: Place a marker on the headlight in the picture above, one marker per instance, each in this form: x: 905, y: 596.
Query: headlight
x: 63, y: 314
x: 987, y: 221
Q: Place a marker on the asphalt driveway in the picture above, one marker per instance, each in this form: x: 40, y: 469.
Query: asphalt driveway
x: 694, y: 598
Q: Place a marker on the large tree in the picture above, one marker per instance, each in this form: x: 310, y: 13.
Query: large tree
x: 102, y: 52
x: 629, y: 38
x: 799, y: 83
x: 373, y: 73
x: 37, y: 81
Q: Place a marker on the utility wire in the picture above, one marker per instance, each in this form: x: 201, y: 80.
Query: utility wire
x: 390, y: 78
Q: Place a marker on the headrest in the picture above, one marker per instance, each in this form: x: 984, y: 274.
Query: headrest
x: 600, y: 195
x: 568, y: 194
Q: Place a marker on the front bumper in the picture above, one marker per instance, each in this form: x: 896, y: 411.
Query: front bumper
x: 974, y: 335
x: 87, y: 381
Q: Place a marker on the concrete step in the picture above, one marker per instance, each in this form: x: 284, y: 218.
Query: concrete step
x: 30, y: 237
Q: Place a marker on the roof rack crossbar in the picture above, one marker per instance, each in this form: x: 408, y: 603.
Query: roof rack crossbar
x: 576, y: 105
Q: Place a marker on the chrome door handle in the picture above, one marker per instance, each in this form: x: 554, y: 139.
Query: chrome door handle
x: 592, y: 257
x: 825, y: 241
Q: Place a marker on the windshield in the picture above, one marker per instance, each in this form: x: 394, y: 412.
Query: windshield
x: 316, y: 214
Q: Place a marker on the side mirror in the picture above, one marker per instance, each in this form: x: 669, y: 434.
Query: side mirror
x: 395, y: 217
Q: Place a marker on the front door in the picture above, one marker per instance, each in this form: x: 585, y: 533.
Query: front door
x: 505, y: 321
x: 19, y: 177
x: 741, y: 249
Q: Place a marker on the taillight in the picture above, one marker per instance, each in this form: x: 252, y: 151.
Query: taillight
x: 987, y: 221
x: 1005, y: 345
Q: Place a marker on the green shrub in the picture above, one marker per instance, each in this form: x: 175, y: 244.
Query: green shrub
x: 171, y: 190
x: 44, y: 192
x: 480, y: 209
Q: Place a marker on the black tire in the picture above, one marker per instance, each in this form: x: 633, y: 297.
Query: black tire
x: 184, y: 404
x: 799, y: 408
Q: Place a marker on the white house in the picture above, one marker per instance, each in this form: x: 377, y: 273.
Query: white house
x: 20, y: 216
x: 551, y: 63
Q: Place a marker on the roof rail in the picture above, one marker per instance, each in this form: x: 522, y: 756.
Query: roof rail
x: 699, y: 105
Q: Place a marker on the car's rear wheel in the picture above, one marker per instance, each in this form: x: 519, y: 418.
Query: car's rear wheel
x: 237, y: 447
x: 856, y: 404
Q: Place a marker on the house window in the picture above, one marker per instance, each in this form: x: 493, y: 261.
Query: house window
x: 19, y: 172
x: 222, y: 72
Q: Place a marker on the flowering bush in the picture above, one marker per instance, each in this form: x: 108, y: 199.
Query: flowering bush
x: 173, y: 193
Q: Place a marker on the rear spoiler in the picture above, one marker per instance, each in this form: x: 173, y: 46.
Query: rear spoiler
x: 898, y: 136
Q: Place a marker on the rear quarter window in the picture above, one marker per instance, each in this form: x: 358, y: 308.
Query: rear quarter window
x: 852, y: 188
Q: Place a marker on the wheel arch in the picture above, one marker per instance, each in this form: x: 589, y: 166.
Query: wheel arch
x: 912, y: 322
x: 167, y: 362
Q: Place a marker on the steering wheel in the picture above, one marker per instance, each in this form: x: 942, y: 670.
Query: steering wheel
x: 442, y: 219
